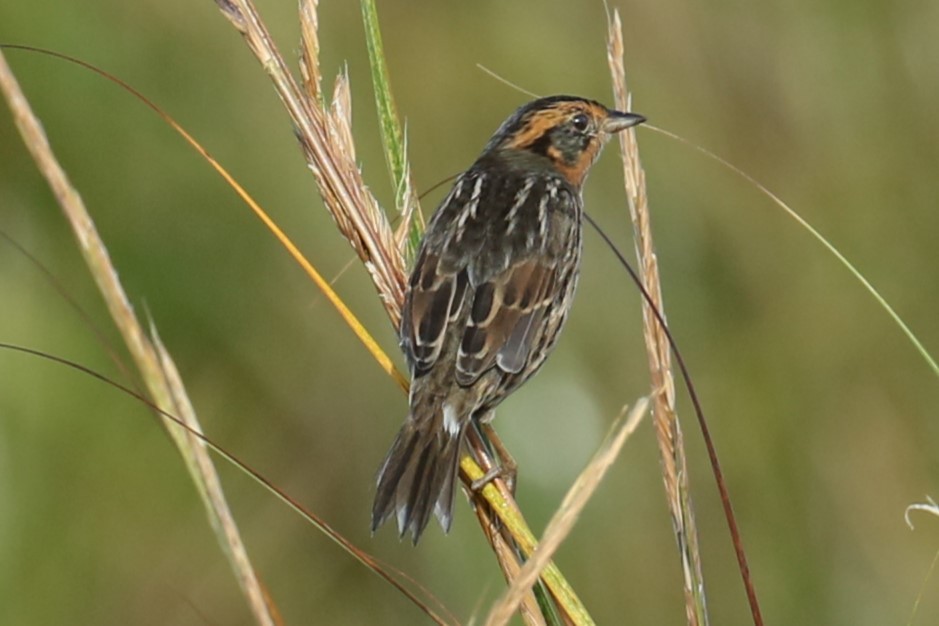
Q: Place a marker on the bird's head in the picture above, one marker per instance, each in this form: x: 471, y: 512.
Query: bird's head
x: 562, y: 132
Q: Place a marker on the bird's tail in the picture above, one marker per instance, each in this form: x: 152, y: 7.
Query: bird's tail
x: 418, y: 476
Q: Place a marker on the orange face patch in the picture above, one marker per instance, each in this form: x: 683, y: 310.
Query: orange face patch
x: 540, y: 123
x: 576, y: 172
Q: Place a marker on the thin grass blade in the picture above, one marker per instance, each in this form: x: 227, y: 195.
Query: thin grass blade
x: 155, y: 366
x: 392, y: 136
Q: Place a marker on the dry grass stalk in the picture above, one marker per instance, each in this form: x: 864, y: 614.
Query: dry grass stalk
x: 323, y: 139
x: 667, y: 427
x: 152, y: 360
x: 563, y: 520
x: 498, y: 499
x: 310, y: 49
x: 508, y: 562
x: 505, y: 540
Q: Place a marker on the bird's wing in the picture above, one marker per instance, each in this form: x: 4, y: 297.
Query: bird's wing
x: 504, y: 317
x: 434, y: 300
x: 496, y: 284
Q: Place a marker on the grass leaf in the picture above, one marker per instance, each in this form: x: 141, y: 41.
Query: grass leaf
x: 393, y: 138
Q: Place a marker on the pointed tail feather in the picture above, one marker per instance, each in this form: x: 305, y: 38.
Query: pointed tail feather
x: 418, y: 476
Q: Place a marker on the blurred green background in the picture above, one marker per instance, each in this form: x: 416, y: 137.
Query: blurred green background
x: 824, y: 416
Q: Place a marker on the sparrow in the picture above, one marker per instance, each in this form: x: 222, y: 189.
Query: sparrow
x: 490, y: 291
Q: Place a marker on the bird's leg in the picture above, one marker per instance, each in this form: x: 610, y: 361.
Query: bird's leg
x: 507, y: 468
x: 480, y: 451
x: 486, y: 437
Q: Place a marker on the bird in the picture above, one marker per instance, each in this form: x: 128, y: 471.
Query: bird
x: 489, y: 293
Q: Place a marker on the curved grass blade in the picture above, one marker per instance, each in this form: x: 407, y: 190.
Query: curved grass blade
x: 801, y: 221
x: 380, y: 356
x: 372, y: 563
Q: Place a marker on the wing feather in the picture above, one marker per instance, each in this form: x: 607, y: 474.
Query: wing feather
x: 480, y: 291
x: 506, y: 317
x: 426, y: 312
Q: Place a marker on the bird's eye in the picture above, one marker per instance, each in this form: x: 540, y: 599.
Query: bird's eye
x: 580, y: 122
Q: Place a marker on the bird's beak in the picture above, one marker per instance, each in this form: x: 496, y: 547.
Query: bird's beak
x: 617, y: 121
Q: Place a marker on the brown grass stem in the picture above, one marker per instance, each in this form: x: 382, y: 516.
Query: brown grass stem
x: 667, y: 427
x: 154, y: 363
x: 326, y: 140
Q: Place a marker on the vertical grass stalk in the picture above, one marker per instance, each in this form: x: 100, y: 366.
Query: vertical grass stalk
x: 393, y: 138
x: 667, y: 427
